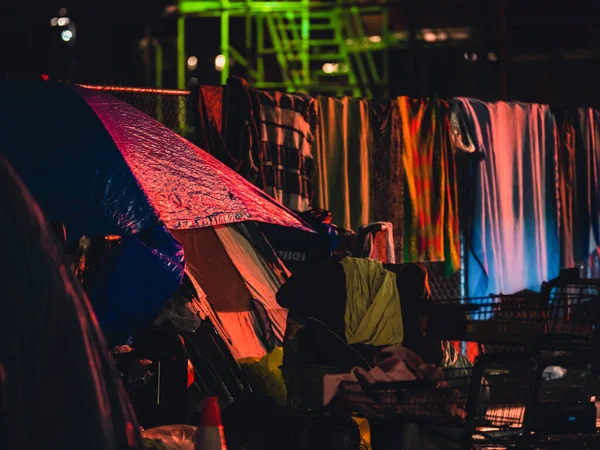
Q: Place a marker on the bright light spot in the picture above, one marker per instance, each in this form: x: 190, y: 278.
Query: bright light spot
x: 192, y: 63
x: 54, y: 21
x: 375, y: 39
x: 492, y: 56
x: 474, y: 56
x: 429, y: 36
x: 330, y: 68
x: 442, y: 36
x: 66, y: 35
x: 220, y: 62
x: 466, y: 55
x: 63, y: 21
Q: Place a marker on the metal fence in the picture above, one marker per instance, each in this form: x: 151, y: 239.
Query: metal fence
x: 172, y: 108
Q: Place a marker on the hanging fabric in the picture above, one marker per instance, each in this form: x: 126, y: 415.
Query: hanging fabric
x: 431, y: 231
x: 209, y: 129
x: 242, y: 149
x: 343, y: 161
x: 387, y: 179
x: 514, y: 242
x: 286, y: 126
x: 567, y: 186
x: 588, y: 178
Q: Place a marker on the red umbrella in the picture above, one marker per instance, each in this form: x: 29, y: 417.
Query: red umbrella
x: 187, y: 186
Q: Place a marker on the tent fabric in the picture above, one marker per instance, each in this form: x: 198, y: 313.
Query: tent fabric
x: 515, y: 240
x: 246, y: 334
x: 211, y: 266
x: 60, y: 389
x: 231, y: 272
x: 261, y: 280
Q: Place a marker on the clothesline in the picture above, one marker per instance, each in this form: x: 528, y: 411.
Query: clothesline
x: 393, y: 160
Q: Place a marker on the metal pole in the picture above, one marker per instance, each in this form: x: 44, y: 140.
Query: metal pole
x: 305, y: 38
x: 225, y: 41
x: 181, y: 66
x: 260, y: 48
x: 158, y: 64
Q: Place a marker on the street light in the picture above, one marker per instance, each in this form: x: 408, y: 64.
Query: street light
x: 66, y: 35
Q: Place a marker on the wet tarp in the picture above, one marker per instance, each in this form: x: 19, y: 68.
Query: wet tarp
x: 102, y: 167
x: 58, y: 386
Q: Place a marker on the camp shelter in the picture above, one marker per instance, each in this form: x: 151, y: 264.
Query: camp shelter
x: 240, y: 276
x: 102, y: 167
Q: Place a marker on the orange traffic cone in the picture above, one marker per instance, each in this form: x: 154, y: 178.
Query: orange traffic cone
x: 210, y: 435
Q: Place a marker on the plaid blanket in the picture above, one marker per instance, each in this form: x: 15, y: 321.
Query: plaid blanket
x: 286, y: 125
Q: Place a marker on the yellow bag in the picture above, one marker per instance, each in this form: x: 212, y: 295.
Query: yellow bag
x: 264, y: 374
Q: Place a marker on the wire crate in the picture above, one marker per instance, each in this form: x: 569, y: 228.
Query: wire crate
x: 562, y: 316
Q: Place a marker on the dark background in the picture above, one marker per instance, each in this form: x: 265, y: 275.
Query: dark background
x: 548, y: 52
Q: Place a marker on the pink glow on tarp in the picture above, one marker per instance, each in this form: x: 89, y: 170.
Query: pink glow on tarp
x: 187, y: 187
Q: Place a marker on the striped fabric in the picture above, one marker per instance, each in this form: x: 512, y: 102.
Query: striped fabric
x: 286, y: 127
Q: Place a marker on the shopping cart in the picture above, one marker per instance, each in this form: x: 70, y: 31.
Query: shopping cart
x: 479, y: 407
x: 563, y: 316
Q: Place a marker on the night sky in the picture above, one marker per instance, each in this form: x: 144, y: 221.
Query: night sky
x: 108, y: 33
x: 107, y: 38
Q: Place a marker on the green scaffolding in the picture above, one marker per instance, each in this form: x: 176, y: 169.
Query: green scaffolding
x: 316, y: 47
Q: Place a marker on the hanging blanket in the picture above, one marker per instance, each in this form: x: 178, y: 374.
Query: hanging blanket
x: 343, y: 161
x: 431, y: 230
x: 387, y: 179
x: 286, y: 127
x: 515, y: 231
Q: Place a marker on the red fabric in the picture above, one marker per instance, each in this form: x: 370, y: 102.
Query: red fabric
x: 213, y: 102
x: 472, y: 349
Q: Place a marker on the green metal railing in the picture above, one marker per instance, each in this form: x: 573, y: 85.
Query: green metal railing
x: 316, y: 46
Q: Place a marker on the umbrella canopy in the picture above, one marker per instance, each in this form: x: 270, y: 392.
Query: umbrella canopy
x: 104, y: 167
x: 59, y: 387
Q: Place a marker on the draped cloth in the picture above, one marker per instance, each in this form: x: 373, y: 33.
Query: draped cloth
x: 579, y: 184
x: 373, y: 313
x: 431, y: 230
x: 343, y: 160
x: 515, y: 240
x: 588, y: 177
x: 286, y: 127
x: 387, y: 179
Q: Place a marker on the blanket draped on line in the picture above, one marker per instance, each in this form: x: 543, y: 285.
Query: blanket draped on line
x: 373, y: 313
x: 343, y: 160
x: 515, y: 243
x: 579, y: 185
x: 286, y: 127
x: 431, y: 229
x: 387, y: 170
x: 265, y: 137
